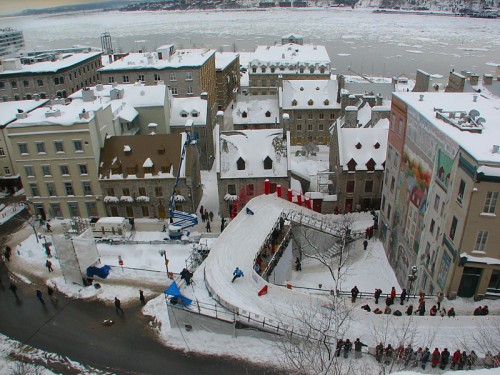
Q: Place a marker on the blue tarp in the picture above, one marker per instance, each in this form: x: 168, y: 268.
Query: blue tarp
x: 102, y: 272
x: 173, y: 290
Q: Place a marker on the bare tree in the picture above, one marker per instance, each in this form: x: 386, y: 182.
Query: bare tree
x: 308, y: 347
x: 483, y: 338
x: 21, y: 368
x: 310, y: 148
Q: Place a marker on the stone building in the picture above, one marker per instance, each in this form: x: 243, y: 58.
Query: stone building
x: 289, y: 61
x: 245, y: 159
x: 60, y: 75
x: 312, y: 108
x: 227, y: 71
x: 138, y: 173
x: 440, y: 193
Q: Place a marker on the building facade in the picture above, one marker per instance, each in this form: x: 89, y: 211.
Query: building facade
x: 227, y: 71
x: 59, y: 76
x: 11, y: 41
x: 441, y: 187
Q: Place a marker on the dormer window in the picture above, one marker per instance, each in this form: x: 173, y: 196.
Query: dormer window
x: 240, y: 164
x: 301, y: 89
x: 351, y: 165
x: 326, y: 102
x: 358, y: 145
x: 184, y: 114
x: 194, y: 114
x: 268, y: 114
x: 244, y: 114
x: 311, y: 70
x: 268, y: 163
x: 310, y: 102
x: 377, y: 145
x: 370, y: 165
x: 294, y: 103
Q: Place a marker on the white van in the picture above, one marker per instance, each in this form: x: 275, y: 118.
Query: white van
x: 113, y: 226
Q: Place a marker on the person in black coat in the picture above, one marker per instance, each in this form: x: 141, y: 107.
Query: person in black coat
x: 358, y: 346
x: 354, y: 294
x: 403, y: 296
x: 409, y: 310
x: 340, y: 345
x: 377, y: 294
x: 445, y: 357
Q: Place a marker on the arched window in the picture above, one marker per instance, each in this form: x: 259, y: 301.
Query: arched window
x: 268, y: 114
x: 326, y: 102
x: 310, y: 102
x: 244, y: 114
x: 240, y: 164
x: 294, y: 103
x: 268, y: 163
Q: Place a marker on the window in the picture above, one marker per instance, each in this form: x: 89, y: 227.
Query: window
x: 491, y: 202
x: 310, y: 116
x: 173, y: 90
x: 158, y: 191
x: 40, y: 147
x: 433, y: 224
x: 39, y: 83
x: 51, y: 189
x: 309, y: 127
x: 294, y: 103
x: 350, y: 187
x: 111, y: 79
x: 78, y: 145
x: 59, y: 147
x: 157, y: 77
x: 461, y: 191
x: 299, y: 116
x: 13, y: 84
x: 393, y: 181
x: 91, y: 208
x: 140, y: 77
x: 332, y: 116
x: 64, y: 170
x: 2, y: 151
x: 26, y: 84
x: 250, y: 189
x: 46, y: 170
x: 142, y: 191
x: 189, y: 76
x: 110, y: 191
x: 173, y: 77
x: 83, y: 169
x: 30, y: 171
x: 321, y: 127
x: 400, y: 128
x: 145, y: 211
x: 453, y: 228
x: 126, y: 192
x: 125, y: 79
x: 2, y: 86
x: 34, y: 190
x: 190, y: 90
x: 368, y: 186
x: 383, y: 203
x: 23, y: 148
x: 231, y: 189
x: 481, y: 241
x: 389, y: 208
x: 268, y: 163
x: 87, y: 188
x: 393, y: 123
x: 436, y: 203
x: 299, y: 127
x: 73, y: 209
x: 6, y: 170
x: 321, y: 116
x: 240, y: 164
x: 68, y: 187
x: 263, y: 69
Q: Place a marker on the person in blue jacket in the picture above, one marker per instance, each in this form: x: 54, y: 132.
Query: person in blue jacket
x: 237, y: 273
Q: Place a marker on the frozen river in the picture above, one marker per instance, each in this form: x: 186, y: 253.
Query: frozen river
x: 369, y: 43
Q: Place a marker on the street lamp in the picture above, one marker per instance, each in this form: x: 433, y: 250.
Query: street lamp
x: 411, y: 278
x: 163, y: 253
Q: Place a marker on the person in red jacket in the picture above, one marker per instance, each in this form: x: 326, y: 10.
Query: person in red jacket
x: 436, y: 357
x: 393, y: 293
x: 455, y: 359
x: 433, y: 311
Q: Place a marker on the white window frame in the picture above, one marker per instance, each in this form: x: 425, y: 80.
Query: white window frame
x: 480, y: 245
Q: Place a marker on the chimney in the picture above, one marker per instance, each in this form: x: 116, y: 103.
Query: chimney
x: 99, y: 87
x: 204, y: 95
x: 487, y: 79
x: 84, y: 114
x: 21, y: 114
x: 351, y: 117
x: 152, y: 128
x: 36, y: 97
x: 88, y: 95
x: 219, y: 120
x: 53, y: 113
x: 474, y: 79
x: 286, y: 124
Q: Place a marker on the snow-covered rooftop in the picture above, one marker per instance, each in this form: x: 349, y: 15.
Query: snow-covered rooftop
x: 180, y: 59
x: 66, y: 60
x: 479, y: 144
x: 253, y: 147
x: 8, y: 110
x: 256, y: 109
x: 223, y: 59
x: 361, y: 145
x: 309, y: 94
x: 291, y: 54
x: 184, y: 109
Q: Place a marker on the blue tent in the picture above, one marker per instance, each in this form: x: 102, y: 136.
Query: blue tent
x: 102, y: 272
x: 173, y: 290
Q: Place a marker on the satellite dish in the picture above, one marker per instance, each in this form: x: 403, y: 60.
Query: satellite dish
x: 480, y: 120
x: 473, y: 113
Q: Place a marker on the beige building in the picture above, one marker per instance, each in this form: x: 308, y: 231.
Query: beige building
x: 289, y: 61
x: 10, y: 181
x: 312, y: 108
x: 245, y: 159
x: 227, y: 71
x: 59, y: 76
x: 441, y: 189
x: 137, y: 174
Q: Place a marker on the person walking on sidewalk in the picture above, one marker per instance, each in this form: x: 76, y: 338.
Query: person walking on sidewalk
x: 237, y: 273
x: 39, y: 296
x: 48, y: 264
x: 208, y: 227
x: 52, y: 294
x: 141, y: 297
x: 118, y: 306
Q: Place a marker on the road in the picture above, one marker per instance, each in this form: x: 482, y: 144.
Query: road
x: 73, y: 328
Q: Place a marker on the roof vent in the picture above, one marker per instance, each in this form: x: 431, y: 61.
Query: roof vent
x: 496, y: 149
x: 421, y: 98
x: 474, y: 98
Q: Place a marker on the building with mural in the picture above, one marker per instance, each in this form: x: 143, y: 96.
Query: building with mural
x: 440, y: 192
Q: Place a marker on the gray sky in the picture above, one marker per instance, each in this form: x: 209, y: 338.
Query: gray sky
x: 15, y: 6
